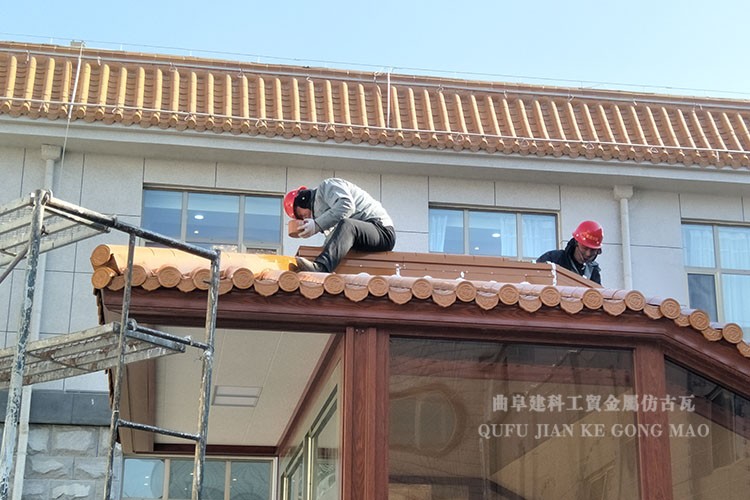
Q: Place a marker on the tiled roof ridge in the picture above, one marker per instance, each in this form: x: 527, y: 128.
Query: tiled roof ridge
x: 204, y: 63
x: 346, y: 106
x: 267, y: 275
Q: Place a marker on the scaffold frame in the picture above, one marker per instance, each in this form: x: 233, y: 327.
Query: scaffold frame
x: 40, y: 223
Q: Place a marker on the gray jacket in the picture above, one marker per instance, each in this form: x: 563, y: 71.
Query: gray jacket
x: 337, y: 199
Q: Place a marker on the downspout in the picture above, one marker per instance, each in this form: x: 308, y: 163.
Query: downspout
x: 50, y: 154
x: 623, y: 194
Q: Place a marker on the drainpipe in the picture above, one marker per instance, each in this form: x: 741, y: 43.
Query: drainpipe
x: 623, y: 194
x: 50, y: 154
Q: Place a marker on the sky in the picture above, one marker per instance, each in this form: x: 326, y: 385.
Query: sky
x: 684, y: 47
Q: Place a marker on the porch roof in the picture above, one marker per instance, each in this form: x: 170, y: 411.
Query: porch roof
x: 402, y: 279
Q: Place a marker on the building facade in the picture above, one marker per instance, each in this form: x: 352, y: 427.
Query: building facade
x: 160, y: 140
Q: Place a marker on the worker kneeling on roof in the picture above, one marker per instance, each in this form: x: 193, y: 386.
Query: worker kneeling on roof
x: 348, y: 216
x: 581, y: 251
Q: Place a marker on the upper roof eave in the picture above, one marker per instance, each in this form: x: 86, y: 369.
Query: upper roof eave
x: 188, y: 93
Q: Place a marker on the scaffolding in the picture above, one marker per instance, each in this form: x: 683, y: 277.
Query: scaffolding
x: 39, y: 223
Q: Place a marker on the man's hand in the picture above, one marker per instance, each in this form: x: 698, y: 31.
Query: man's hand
x: 308, y: 228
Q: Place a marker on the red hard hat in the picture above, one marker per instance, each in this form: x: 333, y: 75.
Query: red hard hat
x: 589, y: 233
x: 289, y: 201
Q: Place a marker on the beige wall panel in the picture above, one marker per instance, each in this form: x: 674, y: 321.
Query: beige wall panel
x: 11, y: 165
x: 33, y: 172
x: 527, y: 195
x: 369, y: 182
x: 61, y: 259
x: 461, y: 191
x: 179, y: 173
x: 254, y: 178
x: 83, y: 311
x: 708, y: 207
x: 584, y: 203
x: 112, y: 184
x: 66, y: 187
x: 405, y: 198
x: 58, y: 289
x: 297, y: 177
x: 68, y: 175
x: 655, y: 219
x: 409, y: 241
x: 659, y: 272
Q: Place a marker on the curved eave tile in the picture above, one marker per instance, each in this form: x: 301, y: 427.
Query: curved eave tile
x: 270, y: 275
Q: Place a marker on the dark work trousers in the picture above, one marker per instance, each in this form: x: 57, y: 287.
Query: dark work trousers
x: 353, y: 234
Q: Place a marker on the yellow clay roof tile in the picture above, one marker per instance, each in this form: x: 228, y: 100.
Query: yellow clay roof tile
x: 127, y: 89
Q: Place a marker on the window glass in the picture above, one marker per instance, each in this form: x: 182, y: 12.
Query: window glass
x: 719, y: 283
x: 212, y: 218
x: 496, y: 421
x: 698, y: 245
x: 230, y: 222
x: 162, y: 212
x: 702, y: 289
x: 181, y: 479
x: 143, y: 478
x: 296, y: 481
x: 250, y: 480
x: 446, y: 231
x: 492, y: 233
x: 538, y: 234
x: 736, y: 294
x: 734, y: 244
x: 262, y: 220
x: 710, y: 443
x: 325, y: 457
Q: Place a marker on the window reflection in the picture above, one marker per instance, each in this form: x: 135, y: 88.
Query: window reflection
x: 162, y: 212
x: 324, y: 445
x: 228, y: 222
x: 491, y: 233
x: 250, y: 480
x: 223, y: 479
x: 543, y: 444
x: 710, y: 446
x: 212, y: 218
x: 717, y: 259
x: 143, y: 478
x: 181, y: 480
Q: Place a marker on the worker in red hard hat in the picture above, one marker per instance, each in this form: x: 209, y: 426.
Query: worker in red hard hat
x: 581, y: 251
x: 348, y: 216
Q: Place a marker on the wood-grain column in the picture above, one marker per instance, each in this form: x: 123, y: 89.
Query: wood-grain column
x: 365, y: 414
x: 654, y: 460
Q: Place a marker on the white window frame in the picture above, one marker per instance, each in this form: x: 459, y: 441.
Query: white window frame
x: 227, y: 471
x: 519, y: 226
x: 242, y: 246
x: 717, y: 270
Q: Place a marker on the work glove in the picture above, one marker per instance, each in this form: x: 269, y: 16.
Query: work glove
x: 308, y: 228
